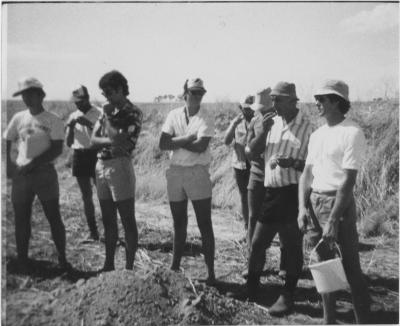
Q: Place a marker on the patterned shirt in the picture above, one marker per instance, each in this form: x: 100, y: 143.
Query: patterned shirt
x: 288, y: 140
x: 113, y: 121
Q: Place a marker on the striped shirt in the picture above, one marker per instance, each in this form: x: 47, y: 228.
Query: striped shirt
x: 288, y: 140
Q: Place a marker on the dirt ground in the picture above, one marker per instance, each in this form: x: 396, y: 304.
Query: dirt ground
x: 152, y: 294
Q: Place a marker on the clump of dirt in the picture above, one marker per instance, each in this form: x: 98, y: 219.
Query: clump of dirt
x: 158, y: 297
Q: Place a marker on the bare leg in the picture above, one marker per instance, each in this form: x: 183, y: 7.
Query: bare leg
x: 202, y: 209
x: 85, y: 186
x: 126, y: 209
x: 109, y: 215
x: 51, y: 209
x: 179, y: 214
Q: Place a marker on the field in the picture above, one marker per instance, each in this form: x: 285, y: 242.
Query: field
x: 46, y: 296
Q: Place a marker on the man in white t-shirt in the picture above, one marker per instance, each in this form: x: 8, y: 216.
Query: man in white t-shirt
x: 335, y: 155
x: 39, y: 136
x: 78, y: 133
x: 187, y: 132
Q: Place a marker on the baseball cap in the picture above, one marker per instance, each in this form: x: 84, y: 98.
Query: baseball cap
x: 79, y: 93
x: 27, y: 83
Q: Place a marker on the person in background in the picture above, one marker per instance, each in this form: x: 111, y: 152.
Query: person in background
x: 335, y: 155
x: 78, y: 133
x: 187, y: 132
x: 115, y: 135
x: 237, y: 133
x: 283, y: 140
x: 39, y: 135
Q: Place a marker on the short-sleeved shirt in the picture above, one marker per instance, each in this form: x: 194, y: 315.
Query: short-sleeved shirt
x: 334, y: 149
x: 288, y: 140
x: 112, y: 121
x: 179, y: 123
x: 239, y: 142
x: 33, y: 133
x: 82, y: 133
x: 257, y: 163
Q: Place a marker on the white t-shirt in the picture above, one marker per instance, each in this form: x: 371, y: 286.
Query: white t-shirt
x: 33, y: 133
x: 82, y: 133
x: 201, y: 123
x: 333, y: 149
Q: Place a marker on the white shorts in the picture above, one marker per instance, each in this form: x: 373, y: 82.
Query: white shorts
x: 188, y: 182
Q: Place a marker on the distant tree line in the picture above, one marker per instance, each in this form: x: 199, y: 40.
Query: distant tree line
x: 168, y: 98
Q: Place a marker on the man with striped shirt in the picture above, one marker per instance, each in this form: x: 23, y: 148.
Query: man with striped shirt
x: 286, y: 137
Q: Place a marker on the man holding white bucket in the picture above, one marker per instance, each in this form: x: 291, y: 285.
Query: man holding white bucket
x: 334, y: 156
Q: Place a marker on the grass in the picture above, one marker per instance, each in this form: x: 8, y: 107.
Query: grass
x: 377, y: 185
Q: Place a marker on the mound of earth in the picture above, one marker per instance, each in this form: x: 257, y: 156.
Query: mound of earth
x: 159, y: 297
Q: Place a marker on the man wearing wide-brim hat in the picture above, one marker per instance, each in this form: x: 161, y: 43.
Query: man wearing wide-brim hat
x: 335, y: 155
x: 39, y: 136
x: 285, y: 134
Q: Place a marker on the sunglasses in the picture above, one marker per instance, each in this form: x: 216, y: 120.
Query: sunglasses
x: 277, y: 99
x: 108, y: 92
x: 320, y: 99
x: 197, y: 93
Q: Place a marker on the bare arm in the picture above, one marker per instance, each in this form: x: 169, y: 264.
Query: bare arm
x: 199, y: 145
x: 343, y: 197
x: 305, y: 182
x: 70, y: 133
x: 230, y: 132
x: 55, y: 150
x: 98, y: 141
x: 168, y: 142
x: 257, y: 144
x: 10, y: 168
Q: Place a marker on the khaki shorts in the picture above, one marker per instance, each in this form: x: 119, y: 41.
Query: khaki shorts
x: 42, y: 182
x: 115, y: 179
x: 188, y: 182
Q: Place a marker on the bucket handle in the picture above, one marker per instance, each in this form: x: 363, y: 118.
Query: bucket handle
x: 315, y: 248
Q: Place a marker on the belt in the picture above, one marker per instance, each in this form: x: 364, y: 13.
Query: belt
x: 84, y: 150
x: 325, y: 192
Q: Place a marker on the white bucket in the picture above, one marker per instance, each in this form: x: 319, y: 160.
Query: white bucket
x: 329, y: 275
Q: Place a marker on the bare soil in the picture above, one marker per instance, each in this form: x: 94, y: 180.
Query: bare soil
x: 154, y: 295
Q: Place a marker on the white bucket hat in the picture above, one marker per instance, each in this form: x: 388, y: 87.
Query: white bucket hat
x: 79, y: 93
x: 27, y: 83
x: 262, y: 100
x: 334, y: 86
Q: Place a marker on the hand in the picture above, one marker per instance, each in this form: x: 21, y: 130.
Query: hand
x: 238, y: 119
x: 285, y: 162
x: 302, y: 220
x: 329, y: 233
x: 267, y: 120
x: 25, y: 169
x: 273, y: 163
x: 191, y: 137
x: 83, y: 121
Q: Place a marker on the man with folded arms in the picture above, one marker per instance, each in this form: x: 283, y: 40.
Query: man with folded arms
x: 187, y: 132
x: 79, y: 130
x: 335, y: 155
x: 284, y: 140
x: 39, y: 135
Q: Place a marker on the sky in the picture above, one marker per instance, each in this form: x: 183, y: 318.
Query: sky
x: 236, y: 48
